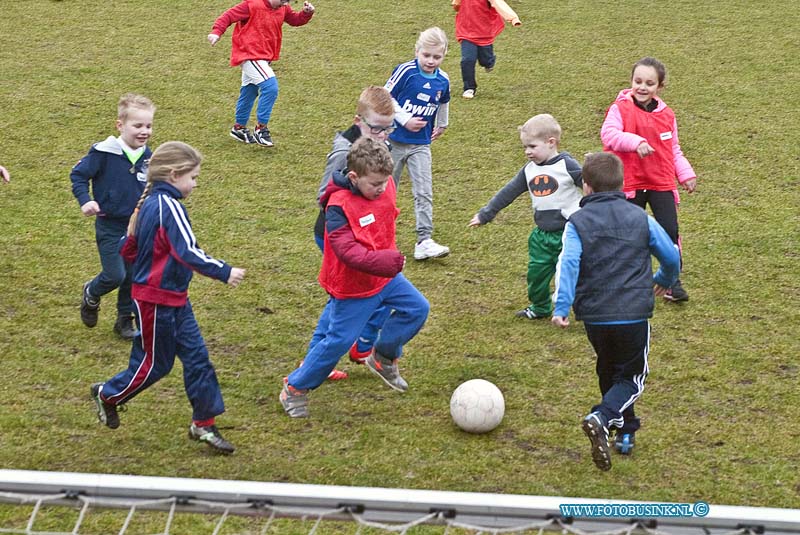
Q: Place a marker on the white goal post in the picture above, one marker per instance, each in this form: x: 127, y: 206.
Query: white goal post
x: 368, y: 506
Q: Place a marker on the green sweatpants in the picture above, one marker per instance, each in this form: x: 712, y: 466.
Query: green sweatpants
x: 543, y: 250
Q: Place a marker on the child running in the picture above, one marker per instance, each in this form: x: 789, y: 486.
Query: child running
x: 641, y: 129
x: 374, y: 118
x: 605, y: 272
x: 552, y: 179
x: 116, y: 169
x: 361, y: 270
x: 478, y: 23
x: 256, y: 43
x: 164, y: 253
x: 422, y: 94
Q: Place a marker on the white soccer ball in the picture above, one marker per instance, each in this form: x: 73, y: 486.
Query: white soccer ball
x: 477, y: 406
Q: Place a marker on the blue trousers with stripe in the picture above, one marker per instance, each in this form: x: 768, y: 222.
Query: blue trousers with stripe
x: 164, y: 333
x: 621, y: 369
x: 347, y: 319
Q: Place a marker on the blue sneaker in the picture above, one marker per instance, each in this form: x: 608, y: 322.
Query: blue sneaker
x: 624, y: 442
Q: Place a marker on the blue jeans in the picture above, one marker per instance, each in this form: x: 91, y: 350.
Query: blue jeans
x: 115, y: 272
x: 470, y: 53
x: 347, y: 319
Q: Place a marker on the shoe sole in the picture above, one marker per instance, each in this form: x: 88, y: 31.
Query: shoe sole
x: 264, y: 144
x: 427, y: 257
x: 390, y: 385
x: 600, y: 451
x: 676, y: 300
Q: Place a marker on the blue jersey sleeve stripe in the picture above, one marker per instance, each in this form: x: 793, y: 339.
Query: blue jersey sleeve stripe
x: 400, y: 71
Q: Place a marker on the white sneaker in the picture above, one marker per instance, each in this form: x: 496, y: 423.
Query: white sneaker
x: 429, y: 249
x: 469, y: 93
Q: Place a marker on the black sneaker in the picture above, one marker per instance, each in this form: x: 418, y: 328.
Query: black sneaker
x: 624, y: 442
x: 262, y: 137
x: 676, y: 293
x: 106, y: 412
x: 89, y: 307
x: 597, y: 432
x: 243, y: 134
x: 124, y: 328
x: 529, y: 314
x: 211, y: 436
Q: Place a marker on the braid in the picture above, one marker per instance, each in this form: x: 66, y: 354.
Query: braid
x: 145, y: 194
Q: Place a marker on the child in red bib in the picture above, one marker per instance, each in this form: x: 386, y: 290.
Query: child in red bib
x: 641, y: 129
x: 361, y: 270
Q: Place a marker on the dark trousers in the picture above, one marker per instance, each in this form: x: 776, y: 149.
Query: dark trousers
x: 621, y: 370
x: 665, y: 211
x: 164, y: 333
x: 470, y: 53
x: 115, y: 272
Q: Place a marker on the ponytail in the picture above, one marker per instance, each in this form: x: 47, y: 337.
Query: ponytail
x: 170, y: 157
x: 145, y: 195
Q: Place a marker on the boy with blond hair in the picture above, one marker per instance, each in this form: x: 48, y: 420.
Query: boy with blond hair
x: 116, y: 170
x: 422, y: 95
x: 606, y: 272
x: 552, y: 179
x: 361, y: 270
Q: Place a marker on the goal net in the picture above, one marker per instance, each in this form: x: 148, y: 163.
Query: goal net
x: 54, y: 503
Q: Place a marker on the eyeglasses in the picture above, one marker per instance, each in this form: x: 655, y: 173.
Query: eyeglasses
x: 375, y: 130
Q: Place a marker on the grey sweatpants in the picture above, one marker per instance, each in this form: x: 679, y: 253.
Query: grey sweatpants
x: 418, y: 160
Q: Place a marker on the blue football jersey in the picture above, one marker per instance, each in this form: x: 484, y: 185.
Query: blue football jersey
x: 419, y: 94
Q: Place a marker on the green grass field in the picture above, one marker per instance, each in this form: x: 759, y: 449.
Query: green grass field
x: 720, y: 409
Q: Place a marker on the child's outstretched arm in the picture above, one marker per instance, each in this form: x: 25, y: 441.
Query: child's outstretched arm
x: 239, y: 12
x: 183, y: 244
x: 5, y: 174
x: 567, y: 270
x: 506, y: 12
x: 298, y: 18
x: 513, y: 189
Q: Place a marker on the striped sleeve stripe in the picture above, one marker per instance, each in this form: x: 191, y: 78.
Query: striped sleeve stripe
x: 400, y: 71
x: 186, y: 231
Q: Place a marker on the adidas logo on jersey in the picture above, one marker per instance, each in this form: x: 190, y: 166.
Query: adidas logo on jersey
x: 427, y: 85
x: 418, y: 110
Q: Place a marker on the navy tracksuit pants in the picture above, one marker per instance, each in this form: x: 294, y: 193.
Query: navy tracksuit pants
x: 621, y: 369
x: 164, y: 333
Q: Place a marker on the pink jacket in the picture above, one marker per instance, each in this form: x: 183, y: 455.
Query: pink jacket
x: 615, y: 138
